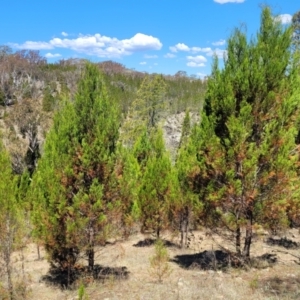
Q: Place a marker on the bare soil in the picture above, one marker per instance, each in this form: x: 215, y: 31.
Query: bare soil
x: 198, y: 272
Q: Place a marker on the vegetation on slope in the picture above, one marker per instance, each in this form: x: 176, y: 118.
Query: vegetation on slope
x: 104, y: 167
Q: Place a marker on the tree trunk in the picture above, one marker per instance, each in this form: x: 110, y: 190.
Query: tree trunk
x: 91, y: 257
x: 38, y: 252
x: 157, y: 232
x: 181, y: 231
x: 158, y: 227
x: 184, y: 224
x: 248, y: 238
x: 9, y: 281
x: 91, y: 250
x: 238, y: 240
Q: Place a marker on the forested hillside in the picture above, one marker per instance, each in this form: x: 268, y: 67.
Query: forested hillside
x: 31, y: 91
x: 85, y: 157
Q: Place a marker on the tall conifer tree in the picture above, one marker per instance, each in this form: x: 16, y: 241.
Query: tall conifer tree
x: 186, y: 202
x: 147, y: 161
x: 128, y: 172
x: 158, y: 187
x: 146, y: 108
x: 243, y: 150
x: 72, y: 189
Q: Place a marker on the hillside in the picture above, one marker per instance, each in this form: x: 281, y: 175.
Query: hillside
x: 30, y: 99
x: 100, y: 164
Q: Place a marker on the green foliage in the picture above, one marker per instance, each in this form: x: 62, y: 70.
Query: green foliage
x: 123, y: 87
x: 180, y: 92
x: 82, y: 295
x: 2, y: 98
x: 48, y: 100
x: 184, y: 93
x: 146, y: 109
x: 72, y: 189
x: 128, y: 175
x: 159, y: 266
x: 147, y: 182
x: 239, y: 159
x: 11, y: 219
x: 186, y: 165
x: 296, y: 29
x: 158, y: 186
x: 151, y: 196
x: 150, y: 100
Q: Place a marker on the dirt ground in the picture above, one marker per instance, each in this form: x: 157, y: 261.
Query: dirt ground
x: 198, y: 272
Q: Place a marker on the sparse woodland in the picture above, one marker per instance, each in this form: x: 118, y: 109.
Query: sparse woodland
x: 84, y: 161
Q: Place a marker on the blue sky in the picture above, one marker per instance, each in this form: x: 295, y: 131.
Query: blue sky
x: 160, y: 36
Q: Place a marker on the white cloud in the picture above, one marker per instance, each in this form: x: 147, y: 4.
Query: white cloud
x: 179, y: 47
x: 143, y: 63
x: 185, y: 48
x: 169, y: 55
x: 141, y: 42
x: 150, y: 56
x: 98, y: 45
x: 50, y: 55
x: 229, y: 1
x: 208, y: 51
x: 218, y: 52
x: 64, y: 34
x: 32, y: 45
x: 196, y: 61
x: 284, y: 18
x: 155, y: 64
x: 219, y: 43
x: 195, y: 49
x: 195, y: 65
x: 198, y: 58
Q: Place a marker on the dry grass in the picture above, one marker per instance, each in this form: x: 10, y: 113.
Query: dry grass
x: 189, y: 279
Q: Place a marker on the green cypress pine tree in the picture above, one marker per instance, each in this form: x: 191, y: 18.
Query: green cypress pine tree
x: 10, y: 219
x: 72, y: 189
x: 146, y: 109
x: 158, y: 187
x: 186, y: 202
x: 128, y: 172
x: 245, y: 167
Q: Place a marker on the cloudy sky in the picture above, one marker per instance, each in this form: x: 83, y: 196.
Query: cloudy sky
x: 160, y: 36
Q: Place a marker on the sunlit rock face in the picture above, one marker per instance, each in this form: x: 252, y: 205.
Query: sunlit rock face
x: 172, y: 128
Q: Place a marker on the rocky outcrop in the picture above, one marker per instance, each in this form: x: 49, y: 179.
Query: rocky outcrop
x: 172, y: 128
